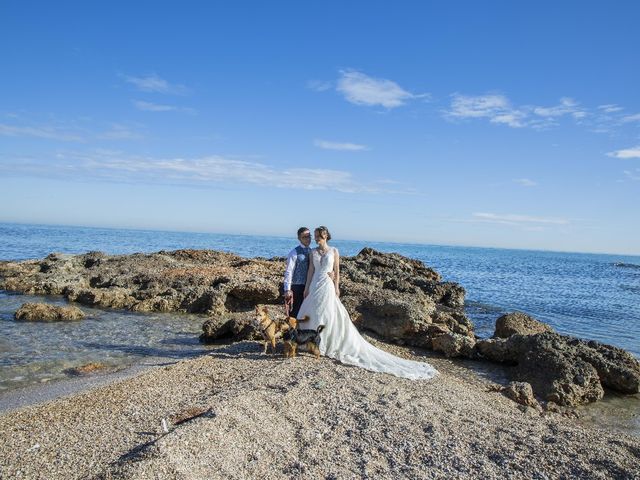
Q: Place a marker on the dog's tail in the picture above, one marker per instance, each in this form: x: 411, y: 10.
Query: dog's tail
x: 320, y: 328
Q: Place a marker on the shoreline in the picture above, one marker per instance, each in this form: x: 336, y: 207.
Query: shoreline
x: 609, y: 414
x: 35, y: 395
x: 234, y: 413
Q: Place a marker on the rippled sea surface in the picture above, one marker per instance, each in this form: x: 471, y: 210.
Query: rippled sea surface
x: 587, y: 295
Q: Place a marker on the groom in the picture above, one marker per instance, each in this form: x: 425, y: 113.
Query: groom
x: 295, y: 275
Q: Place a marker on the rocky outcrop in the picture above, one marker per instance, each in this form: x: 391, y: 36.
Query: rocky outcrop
x: 519, y: 392
x: 455, y: 345
x: 396, y: 297
x: 43, y: 312
x: 518, y: 323
x: 565, y: 370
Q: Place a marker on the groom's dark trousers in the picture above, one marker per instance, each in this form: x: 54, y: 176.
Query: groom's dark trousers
x: 298, y: 296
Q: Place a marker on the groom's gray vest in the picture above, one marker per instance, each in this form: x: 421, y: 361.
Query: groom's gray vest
x: 299, y: 276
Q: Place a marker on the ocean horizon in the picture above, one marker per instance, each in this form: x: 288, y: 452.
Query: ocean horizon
x: 292, y: 238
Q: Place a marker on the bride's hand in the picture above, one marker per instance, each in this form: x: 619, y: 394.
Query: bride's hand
x: 337, y: 292
x: 306, y: 292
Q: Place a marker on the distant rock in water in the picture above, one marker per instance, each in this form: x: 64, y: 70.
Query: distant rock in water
x: 43, y: 312
x: 399, y: 298
x: 626, y: 265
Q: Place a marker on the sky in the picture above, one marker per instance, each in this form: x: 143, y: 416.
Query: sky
x: 497, y: 123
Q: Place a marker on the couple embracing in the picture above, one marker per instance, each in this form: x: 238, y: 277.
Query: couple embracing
x: 312, y: 287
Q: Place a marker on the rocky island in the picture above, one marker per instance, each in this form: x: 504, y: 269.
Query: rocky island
x: 296, y: 418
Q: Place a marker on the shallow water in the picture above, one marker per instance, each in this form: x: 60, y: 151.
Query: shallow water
x: 39, y: 352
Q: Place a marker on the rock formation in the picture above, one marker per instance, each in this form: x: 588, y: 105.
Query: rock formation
x: 398, y: 298
x: 519, y: 323
x: 565, y: 370
x: 43, y: 312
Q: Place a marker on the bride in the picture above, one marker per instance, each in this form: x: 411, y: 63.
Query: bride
x: 340, y: 339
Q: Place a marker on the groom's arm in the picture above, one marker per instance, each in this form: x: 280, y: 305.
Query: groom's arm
x: 288, y: 272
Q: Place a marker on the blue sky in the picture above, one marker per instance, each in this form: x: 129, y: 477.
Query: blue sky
x: 506, y: 124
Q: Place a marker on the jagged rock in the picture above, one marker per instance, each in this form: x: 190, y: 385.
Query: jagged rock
x: 519, y: 323
x: 43, y: 312
x: 522, y: 393
x: 229, y: 327
x: 236, y: 326
x: 454, y: 345
x: 563, y: 369
x: 497, y: 350
x: 395, y: 316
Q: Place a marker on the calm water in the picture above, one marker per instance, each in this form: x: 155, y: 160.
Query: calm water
x: 587, y: 295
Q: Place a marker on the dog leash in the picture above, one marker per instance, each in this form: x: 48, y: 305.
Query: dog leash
x: 287, y: 308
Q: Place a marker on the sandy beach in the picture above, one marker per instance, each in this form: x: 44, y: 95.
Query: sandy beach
x: 235, y: 413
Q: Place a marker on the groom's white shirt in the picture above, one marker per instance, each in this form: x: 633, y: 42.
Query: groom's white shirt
x: 292, y: 258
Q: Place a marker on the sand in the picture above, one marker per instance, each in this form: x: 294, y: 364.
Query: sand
x: 260, y: 416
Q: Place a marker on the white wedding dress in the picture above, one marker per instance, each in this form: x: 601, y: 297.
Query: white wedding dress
x: 340, y: 339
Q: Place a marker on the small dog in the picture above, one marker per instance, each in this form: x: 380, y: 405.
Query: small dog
x: 294, y: 337
x: 272, y: 329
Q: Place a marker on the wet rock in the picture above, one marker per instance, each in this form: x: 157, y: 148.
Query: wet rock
x: 43, y: 312
x: 86, y: 369
x: 454, y: 345
x: 519, y: 323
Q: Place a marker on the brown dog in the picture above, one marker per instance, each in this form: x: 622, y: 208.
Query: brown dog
x: 273, y: 329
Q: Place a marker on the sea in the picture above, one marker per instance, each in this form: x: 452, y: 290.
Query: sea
x: 594, y: 296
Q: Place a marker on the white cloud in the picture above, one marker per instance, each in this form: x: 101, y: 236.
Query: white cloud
x: 71, y: 132
x: 633, y: 174
x: 119, y: 132
x: 155, y: 107
x: 361, y: 89
x: 202, y: 171
x: 494, y: 107
x: 46, y: 132
x: 631, y: 118
x: 633, y: 152
x: 153, y: 83
x: 514, y: 219
x: 525, y: 182
x: 610, y: 108
x: 497, y: 108
x: 567, y: 106
x: 327, y: 145
x: 319, y: 85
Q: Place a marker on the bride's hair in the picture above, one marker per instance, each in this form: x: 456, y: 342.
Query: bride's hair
x: 324, y: 230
